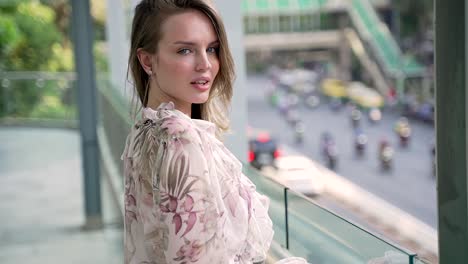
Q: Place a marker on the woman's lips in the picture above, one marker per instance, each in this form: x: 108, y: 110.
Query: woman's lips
x: 201, y: 86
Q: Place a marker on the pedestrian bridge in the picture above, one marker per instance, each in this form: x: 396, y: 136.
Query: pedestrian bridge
x: 267, y: 21
x: 291, y: 25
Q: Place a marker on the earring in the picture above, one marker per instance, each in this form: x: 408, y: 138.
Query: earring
x: 150, y: 73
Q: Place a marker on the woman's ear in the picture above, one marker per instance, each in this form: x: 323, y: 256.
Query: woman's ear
x: 146, y: 61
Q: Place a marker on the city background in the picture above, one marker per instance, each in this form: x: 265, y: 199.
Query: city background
x: 319, y: 75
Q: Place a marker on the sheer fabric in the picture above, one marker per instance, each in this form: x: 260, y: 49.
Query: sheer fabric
x: 186, y: 199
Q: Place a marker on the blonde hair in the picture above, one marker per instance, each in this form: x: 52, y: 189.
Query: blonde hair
x: 146, y: 32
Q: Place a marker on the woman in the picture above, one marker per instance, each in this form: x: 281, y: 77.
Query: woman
x: 186, y: 199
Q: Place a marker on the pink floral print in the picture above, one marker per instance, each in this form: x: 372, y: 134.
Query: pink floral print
x: 190, y: 251
x: 186, y: 199
x: 175, y: 126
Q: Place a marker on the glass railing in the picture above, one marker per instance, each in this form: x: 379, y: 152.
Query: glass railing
x: 319, y: 235
x: 277, y: 206
x: 301, y: 226
x: 38, y: 98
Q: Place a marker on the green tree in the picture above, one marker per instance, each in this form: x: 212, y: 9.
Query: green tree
x: 28, y: 37
x: 35, y: 36
x: 38, y: 34
x: 62, y: 10
x: 9, y: 38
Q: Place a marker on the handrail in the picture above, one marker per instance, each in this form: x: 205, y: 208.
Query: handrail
x: 308, y: 225
x: 349, y: 252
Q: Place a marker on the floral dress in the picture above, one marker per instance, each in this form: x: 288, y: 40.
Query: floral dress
x: 186, y: 199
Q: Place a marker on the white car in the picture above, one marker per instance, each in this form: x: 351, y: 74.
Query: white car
x: 297, y: 173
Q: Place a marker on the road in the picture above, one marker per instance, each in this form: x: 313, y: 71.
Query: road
x: 409, y: 186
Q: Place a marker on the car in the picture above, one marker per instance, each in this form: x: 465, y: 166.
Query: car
x: 263, y: 150
x: 421, y: 111
x: 363, y: 96
x: 334, y: 88
x: 298, y: 173
x: 298, y: 81
x: 425, y: 112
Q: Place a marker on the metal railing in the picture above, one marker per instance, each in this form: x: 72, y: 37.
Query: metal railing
x: 319, y: 235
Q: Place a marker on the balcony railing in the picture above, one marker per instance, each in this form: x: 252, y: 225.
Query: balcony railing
x: 302, y: 227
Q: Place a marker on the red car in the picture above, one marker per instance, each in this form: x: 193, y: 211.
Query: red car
x: 263, y: 151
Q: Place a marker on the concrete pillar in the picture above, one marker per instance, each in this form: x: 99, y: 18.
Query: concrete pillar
x: 87, y: 107
x: 117, y: 41
x: 232, y: 16
x: 344, y: 51
x: 451, y: 129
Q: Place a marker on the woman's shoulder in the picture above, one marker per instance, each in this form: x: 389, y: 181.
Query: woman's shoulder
x: 161, y: 126
x: 167, y: 123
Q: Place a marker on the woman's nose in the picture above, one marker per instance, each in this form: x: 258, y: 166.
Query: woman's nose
x: 203, y: 62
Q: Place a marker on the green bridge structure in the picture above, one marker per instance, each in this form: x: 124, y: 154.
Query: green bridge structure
x: 321, y: 24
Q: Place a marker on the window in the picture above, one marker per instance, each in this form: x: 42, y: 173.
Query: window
x: 285, y: 24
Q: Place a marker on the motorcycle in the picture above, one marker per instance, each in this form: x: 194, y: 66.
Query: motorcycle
x: 375, y: 115
x: 331, y: 155
x: 355, y: 117
x: 386, y: 158
x: 433, y: 160
x: 283, y: 106
x: 404, y: 134
x: 360, y: 143
x: 403, y: 130
x: 292, y: 117
x: 335, y: 104
x: 299, y: 130
x: 312, y: 101
x: 329, y: 150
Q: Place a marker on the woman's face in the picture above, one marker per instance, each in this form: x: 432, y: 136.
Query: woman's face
x: 186, y: 61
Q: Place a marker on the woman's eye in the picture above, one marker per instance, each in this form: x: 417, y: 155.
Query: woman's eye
x: 212, y: 50
x: 184, y: 51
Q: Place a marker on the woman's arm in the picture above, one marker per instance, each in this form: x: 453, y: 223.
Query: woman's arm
x: 181, y: 218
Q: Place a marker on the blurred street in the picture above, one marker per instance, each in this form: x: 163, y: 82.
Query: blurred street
x: 41, y: 203
x: 410, y: 185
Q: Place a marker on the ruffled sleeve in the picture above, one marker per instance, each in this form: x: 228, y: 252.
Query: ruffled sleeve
x: 187, y: 200
x: 188, y: 206
x: 260, y: 230
x: 182, y: 221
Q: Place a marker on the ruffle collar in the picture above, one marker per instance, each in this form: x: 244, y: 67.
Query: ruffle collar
x: 167, y: 109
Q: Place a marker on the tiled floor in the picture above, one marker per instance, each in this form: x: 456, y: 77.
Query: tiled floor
x: 41, y: 202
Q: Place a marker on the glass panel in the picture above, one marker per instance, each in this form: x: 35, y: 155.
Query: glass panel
x: 251, y: 24
x: 306, y: 22
x: 275, y: 192
x: 264, y: 24
x: 246, y: 25
x: 296, y: 24
x: 323, y: 237
x: 31, y: 97
x: 285, y: 23
x: 114, y: 118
